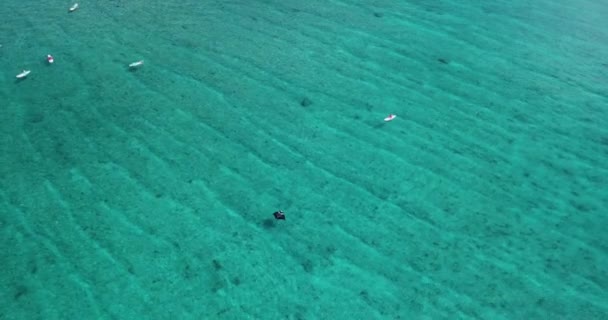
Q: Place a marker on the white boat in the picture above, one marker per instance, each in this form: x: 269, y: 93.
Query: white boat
x: 136, y: 64
x: 23, y: 74
x: 74, y: 7
x: 390, y: 117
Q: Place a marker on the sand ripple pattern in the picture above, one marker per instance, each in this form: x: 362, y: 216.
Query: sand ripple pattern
x: 147, y: 194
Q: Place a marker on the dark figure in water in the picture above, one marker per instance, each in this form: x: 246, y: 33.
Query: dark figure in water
x: 279, y: 215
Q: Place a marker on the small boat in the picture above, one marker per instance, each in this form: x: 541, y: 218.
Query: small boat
x: 50, y: 58
x: 136, y: 64
x: 23, y: 74
x: 390, y: 117
x: 74, y: 7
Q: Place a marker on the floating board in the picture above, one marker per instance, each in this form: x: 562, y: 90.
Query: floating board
x: 390, y: 117
x: 50, y: 58
x: 74, y: 7
x: 136, y: 64
x: 23, y: 74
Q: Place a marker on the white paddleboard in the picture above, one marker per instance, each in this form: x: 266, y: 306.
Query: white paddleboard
x: 74, y: 7
x: 136, y: 64
x: 23, y: 74
x: 390, y: 117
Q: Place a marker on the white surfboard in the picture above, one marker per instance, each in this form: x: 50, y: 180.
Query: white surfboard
x: 74, y: 7
x: 136, y: 64
x: 23, y: 74
x: 390, y: 117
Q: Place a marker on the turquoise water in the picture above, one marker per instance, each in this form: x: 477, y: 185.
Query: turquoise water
x: 148, y: 193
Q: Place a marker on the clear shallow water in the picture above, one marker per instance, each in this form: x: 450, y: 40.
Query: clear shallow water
x: 147, y: 194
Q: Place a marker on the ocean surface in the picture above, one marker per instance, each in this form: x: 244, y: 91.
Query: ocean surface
x: 148, y: 193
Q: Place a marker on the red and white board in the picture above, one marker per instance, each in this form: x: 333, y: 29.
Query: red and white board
x: 390, y: 117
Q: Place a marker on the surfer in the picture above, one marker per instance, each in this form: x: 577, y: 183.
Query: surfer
x: 390, y: 117
x: 136, y: 64
x: 23, y: 74
x: 279, y: 215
